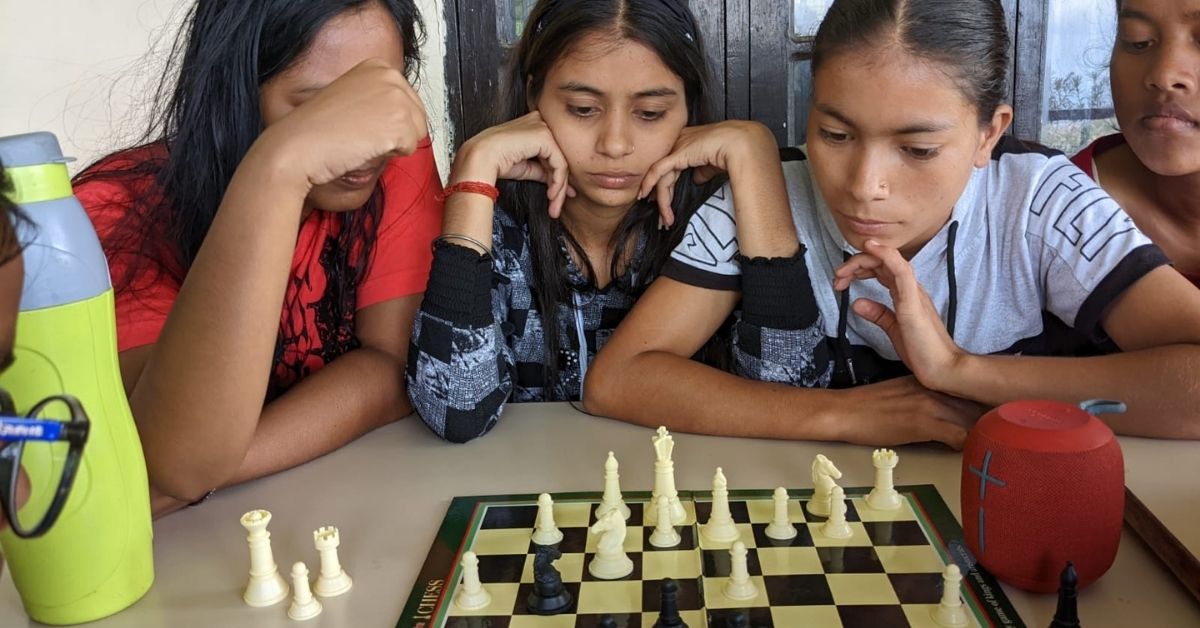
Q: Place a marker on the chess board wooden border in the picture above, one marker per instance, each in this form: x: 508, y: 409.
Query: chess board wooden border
x: 429, y: 600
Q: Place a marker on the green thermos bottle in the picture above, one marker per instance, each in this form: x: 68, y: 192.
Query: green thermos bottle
x: 98, y: 558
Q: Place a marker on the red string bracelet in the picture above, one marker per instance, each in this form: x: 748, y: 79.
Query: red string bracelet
x: 471, y: 187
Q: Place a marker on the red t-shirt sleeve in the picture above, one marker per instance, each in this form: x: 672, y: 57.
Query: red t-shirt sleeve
x: 144, y: 300
x: 411, y: 219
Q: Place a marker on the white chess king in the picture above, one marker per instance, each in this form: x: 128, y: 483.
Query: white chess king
x: 664, y: 479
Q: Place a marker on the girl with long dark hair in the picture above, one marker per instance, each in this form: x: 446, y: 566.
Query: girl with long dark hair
x: 269, y: 238
x: 938, y: 267
x: 547, y: 241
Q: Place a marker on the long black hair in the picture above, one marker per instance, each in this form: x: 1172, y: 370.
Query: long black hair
x: 205, y: 117
x: 969, y: 37
x: 10, y: 217
x: 554, y: 26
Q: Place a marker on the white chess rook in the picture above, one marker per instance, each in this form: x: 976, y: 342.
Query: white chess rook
x: 950, y: 612
x: 471, y: 595
x: 720, y: 527
x: 781, y: 527
x: 547, y: 532
x: 836, y: 527
x: 304, y: 605
x: 612, y: 490
x: 739, y: 586
x: 884, y: 495
x: 823, y: 475
x: 664, y: 479
x: 266, y: 586
x: 333, y: 580
x: 664, y: 534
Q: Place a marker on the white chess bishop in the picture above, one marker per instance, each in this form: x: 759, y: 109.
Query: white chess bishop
x: 720, y: 527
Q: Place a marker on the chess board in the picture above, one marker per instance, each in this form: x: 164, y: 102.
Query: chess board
x: 887, y: 574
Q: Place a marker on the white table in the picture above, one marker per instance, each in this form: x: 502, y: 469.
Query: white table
x: 388, y: 492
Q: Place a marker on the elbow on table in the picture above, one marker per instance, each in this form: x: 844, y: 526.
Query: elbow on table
x: 188, y: 479
x: 601, y: 389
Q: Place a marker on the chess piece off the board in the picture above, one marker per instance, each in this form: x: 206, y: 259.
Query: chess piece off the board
x: 266, y: 586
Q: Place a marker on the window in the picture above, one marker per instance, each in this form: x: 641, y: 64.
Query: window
x: 1076, y: 98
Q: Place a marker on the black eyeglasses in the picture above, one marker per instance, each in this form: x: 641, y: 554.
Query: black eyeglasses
x: 50, y: 448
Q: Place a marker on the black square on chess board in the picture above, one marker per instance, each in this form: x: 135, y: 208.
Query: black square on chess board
x: 887, y: 573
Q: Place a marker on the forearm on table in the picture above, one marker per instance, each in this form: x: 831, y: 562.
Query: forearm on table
x: 199, y: 395
x: 354, y: 394
x: 1158, y: 385
x: 659, y: 388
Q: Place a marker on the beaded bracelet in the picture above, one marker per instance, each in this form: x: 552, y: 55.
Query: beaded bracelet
x: 471, y: 187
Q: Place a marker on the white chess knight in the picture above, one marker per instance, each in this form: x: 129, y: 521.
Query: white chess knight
x: 304, y: 605
x: 739, y: 586
x: 546, y: 532
x: 610, y: 562
x: 664, y: 479
x: 664, y: 534
x: 333, y: 580
x: 884, y: 495
x: 823, y: 476
x: 266, y: 586
x: 471, y: 595
x: 836, y: 527
x: 720, y: 527
x: 612, y: 490
x: 781, y: 527
x: 950, y: 612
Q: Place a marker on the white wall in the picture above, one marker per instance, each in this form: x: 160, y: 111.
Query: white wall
x: 86, y: 69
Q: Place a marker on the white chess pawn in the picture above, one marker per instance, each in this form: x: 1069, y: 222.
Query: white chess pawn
x: 739, y: 586
x: 304, y: 605
x: 664, y: 479
x: 471, y: 595
x: 546, y: 533
x: 884, y: 495
x: 266, y: 586
x: 781, y: 527
x: 950, y: 612
x: 823, y: 475
x: 720, y: 527
x: 333, y: 580
x: 664, y: 534
x: 836, y: 527
x: 612, y: 490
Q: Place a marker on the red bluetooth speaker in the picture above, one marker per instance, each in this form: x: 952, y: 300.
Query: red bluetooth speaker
x: 1043, y: 483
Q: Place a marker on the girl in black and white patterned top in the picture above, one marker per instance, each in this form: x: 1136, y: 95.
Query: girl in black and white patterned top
x: 523, y: 292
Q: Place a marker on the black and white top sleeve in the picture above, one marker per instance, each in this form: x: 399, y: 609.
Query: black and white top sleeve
x: 777, y: 333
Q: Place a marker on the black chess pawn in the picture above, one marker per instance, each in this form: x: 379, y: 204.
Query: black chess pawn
x: 668, y: 611
x: 607, y: 621
x: 549, y: 596
x: 1067, y: 613
x: 739, y: 620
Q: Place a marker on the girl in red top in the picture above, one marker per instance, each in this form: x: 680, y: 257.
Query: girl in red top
x: 269, y: 241
x: 1153, y: 167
